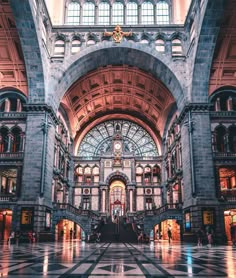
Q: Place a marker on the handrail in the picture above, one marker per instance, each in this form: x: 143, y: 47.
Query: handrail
x: 160, y: 210
x: 74, y: 210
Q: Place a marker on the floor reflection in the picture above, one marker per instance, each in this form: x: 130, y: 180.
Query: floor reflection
x: 75, y: 258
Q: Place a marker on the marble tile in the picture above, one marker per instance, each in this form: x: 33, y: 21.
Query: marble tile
x: 76, y: 259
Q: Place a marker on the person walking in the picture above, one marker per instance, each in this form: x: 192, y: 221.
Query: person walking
x: 233, y: 234
x: 200, y: 236
x: 169, y: 233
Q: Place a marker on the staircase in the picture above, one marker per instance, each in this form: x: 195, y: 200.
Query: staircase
x: 124, y: 232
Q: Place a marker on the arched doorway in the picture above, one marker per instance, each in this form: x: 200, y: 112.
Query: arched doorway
x: 117, y: 198
x: 67, y: 229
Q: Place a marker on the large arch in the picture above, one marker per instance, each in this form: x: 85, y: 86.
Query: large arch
x: 117, y: 176
x: 126, y: 53
x: 32, y: 52
x: 154, y: 133
x: 205, y: 49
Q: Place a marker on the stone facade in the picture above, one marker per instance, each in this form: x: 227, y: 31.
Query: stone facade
x: 177, y: 97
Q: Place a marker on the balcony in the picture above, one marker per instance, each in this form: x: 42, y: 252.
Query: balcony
x: 7, y: 199
x: 217, y: 155
x: 12, y: 156
x: 228, y: 195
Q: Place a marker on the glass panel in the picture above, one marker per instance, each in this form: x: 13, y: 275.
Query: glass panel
x: 132, y: 13
x: 118, y: 13
x: 104, y: 13
x: 147, y: 13
x: 162, y: 13
x: 135, y: 138
x: 88, y: 13
x: 73, y: 13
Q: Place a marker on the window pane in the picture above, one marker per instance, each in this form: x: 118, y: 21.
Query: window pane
x: 160, y: 45
x: 88, y: 14
x: 118, y: 13
x: 73, y: 13
x: 132, y: 13
x: 147, y: 13
x: 162, y: 13
x: 104, y: 13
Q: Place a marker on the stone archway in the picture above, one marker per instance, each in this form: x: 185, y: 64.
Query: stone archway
x: 117, y: 176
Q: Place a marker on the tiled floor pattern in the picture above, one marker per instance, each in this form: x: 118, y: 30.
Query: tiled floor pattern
x: 78, y: 259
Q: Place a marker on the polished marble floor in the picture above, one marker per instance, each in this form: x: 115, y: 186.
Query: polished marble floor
x: 78, y: 259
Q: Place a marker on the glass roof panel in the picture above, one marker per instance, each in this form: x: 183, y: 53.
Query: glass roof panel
x: 99, y: 140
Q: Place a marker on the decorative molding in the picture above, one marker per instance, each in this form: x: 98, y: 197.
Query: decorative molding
x: 193, y: 107
x: 40, y: 107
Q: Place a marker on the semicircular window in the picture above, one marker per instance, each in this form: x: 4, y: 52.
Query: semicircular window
x: 136, y: 140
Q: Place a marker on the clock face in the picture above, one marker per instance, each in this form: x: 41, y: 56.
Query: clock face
x: 117, y: 146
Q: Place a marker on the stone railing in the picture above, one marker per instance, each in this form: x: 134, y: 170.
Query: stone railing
x: 10, y: 155
x: 75, y: 211
x: 225, y: 154
x: 7, y: 198
x: 158, y: 211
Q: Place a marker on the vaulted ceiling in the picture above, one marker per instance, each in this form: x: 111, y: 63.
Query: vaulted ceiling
x: 12, y: 67
x: 122, y: 90
x: 223, y: 71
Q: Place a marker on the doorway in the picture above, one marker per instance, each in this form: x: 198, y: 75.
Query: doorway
x: 117, y: 198
x: 5, y: 224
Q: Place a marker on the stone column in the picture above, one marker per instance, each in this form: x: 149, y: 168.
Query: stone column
x: 197, y: 155
x: 139, y: 14
x: 10, y: 140
x: 96, y: 14
x: 131, y: 200
x: 39, y: 154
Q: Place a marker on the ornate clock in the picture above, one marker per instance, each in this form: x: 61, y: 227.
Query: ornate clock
x: 117, y: 146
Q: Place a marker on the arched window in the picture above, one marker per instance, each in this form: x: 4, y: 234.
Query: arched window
x: 147, y: 175
x: 177, y: 48
x: 156, y: 174
x: 132, y: 13
x: 139, y: 174
x: 160, y: 45
x: 104, y: 13
x: 78, y: 174
x: 118, y: 13
x: 75, y: 46
x: 4, y: 140
x: 220, y: 139
x: 96, y: 174
x: 73, y: 13
x: 91, y: 42
x: 16, y: 141
x: 88, y: 13
x: 163, y: 13
x: 232, y: 139
x: 144, y: 41
x: 147, y: 13
x: 87, y: 175
x: 59, y: 49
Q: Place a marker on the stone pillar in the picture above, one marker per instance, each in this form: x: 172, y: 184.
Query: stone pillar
x: 230, y: 104
x: 7, y: 105
x: 198, y: 173
x: 155, y: 14
x: 96, y: 14
x: 39, y: 154
x: 131, y: 200
x: 22, y: 142
x: 10, y: 140
x: 217, y: 104
x: 139, y: 14
x: 103, y: 200
x: 18, y: 106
